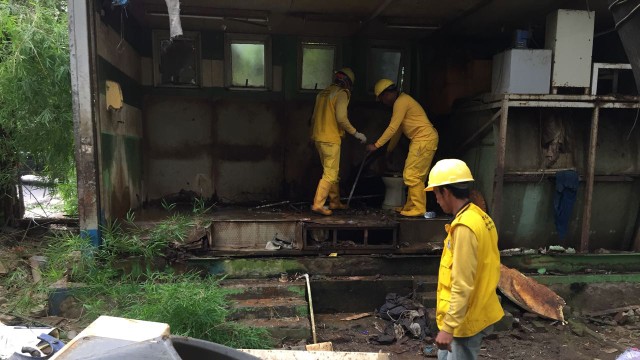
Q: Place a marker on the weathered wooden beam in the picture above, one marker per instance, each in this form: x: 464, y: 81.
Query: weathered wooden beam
x: 501, y: 142
x: 478, y: 133
x: 591, y: 166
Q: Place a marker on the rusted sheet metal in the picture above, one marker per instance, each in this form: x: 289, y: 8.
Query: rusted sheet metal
x: 530, y: 295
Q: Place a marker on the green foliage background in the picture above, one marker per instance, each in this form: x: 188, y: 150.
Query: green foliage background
x: 35, y: 89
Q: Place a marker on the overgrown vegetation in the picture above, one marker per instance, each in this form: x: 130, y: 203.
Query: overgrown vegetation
x: 122, y: 278
x: 35, y: 93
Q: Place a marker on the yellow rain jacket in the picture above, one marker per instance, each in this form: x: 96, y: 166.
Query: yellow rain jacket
x: 409, y: 117
x: 330, y: 115
x: 469, y: 273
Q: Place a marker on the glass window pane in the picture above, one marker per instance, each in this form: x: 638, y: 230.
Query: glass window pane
x: 178, y: 62
x: 247, y: 62
x: 386, y: 63
x: 317, y: 66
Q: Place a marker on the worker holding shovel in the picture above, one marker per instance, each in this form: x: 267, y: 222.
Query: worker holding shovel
x: 411, y: 118
x: 330, y: 122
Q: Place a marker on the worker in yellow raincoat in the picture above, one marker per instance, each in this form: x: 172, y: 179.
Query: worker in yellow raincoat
x: 467, y: 304
x: 330, y: 122
x: 411, y: 118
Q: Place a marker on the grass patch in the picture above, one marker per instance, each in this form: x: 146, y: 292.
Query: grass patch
x: 298, y: 290
x: 192, y: 305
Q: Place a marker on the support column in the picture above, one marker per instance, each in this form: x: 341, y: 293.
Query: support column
x: 591, y: 166
x: 84, y: 123
x: 501, y: 146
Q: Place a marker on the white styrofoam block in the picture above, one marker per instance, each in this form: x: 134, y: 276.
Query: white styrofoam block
x: 569, y: 33
x: 521, y: 71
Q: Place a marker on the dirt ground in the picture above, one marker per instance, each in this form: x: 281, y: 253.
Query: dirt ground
x: 528, y: 338
x: 536, y: 339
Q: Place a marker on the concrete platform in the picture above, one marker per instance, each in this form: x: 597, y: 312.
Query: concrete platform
x: 245, y: 232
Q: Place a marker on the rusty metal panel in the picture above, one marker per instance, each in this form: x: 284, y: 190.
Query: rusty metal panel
x: 350, y: 235
x: 251, y: 235
x: 530, y: 295
x: 421, y: 235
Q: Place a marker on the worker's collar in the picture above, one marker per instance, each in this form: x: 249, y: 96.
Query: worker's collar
x: 464, y: 207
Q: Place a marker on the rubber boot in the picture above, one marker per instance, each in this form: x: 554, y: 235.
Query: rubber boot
x: 321, y: 197
x: 334, y: 198
x: 416, y: 202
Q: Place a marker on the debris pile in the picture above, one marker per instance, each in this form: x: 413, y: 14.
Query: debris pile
x: 406, y: 319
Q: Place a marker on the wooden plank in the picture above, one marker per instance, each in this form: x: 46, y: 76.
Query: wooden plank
x: 477, y: 134
x: 591, y: 165
x: 357, y: 316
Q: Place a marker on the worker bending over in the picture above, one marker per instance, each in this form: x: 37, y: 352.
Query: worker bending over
x: 411, y: 118
x: 330, y: 122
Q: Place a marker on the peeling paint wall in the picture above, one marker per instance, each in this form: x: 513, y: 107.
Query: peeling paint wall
x: 239, y: 146
x: 120, y: 130
x: 528, y: 215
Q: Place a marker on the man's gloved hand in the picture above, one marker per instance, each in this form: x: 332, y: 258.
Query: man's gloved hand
x: 361, y: 137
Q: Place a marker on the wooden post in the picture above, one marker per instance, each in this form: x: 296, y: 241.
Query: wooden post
x: 498, y: 183
x: 591, y: 166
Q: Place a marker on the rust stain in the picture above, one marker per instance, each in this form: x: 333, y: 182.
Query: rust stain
x: 530, y: 295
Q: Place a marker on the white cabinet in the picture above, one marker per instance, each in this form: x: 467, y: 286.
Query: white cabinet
x: 521, y: 71
x: 569, y: 35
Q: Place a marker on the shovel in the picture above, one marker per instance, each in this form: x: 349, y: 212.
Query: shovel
x: 353, y: 188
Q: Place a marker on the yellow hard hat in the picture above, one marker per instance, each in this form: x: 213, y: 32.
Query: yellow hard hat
x: 347, y: 71
x: 381, y: 86
x: 448, y: 171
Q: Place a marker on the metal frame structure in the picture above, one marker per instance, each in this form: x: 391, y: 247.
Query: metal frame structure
x: 502, y: 102
x: 335, y: 230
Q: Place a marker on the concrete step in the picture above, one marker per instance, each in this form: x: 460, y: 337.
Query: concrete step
x: 263, y: 288
x: 427, y: 299
x: 268, y: 308
x: 425, y: 283
x: 283, y: 329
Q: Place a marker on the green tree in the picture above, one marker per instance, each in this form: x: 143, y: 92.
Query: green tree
x: 35, y: 87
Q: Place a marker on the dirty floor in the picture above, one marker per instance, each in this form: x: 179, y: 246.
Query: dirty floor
x: 528, y: 338
x: 537, y: 339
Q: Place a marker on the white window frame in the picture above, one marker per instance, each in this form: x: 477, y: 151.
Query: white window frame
x: 248, y: 39
x: 159, y: 35
x: 317, y: 42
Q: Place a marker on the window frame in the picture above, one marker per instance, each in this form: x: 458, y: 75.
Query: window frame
x: 228, y: 65
x: 337, y: 64
x: 402, y: 48
x: 159, y: 35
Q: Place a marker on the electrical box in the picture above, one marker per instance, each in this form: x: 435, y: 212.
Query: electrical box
x: 569, y: 35
x: 521, y: 71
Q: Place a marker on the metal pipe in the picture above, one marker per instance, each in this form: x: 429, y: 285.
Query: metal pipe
x: 313, y: 321
x: 380, y: 9
x: 357, y: 177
